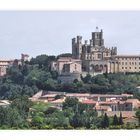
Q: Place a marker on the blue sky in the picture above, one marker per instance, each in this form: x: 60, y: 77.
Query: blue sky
x: 50, y: 32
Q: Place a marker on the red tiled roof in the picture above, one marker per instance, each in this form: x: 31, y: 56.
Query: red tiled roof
x: 89, y: 102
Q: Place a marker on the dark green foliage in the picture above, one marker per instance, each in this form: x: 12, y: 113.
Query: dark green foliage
x: 10, y: 117
x: 64, y: 55
x: 15, y: 115
x: 22, y: 105
x: 105, y: 121
x: 121, y: 119
x: 138, y: 114
x: 115, y: 120
x: 71, y: 103
x: 50, y: 110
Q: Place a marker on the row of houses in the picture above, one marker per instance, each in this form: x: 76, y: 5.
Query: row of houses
x: 100, y: 102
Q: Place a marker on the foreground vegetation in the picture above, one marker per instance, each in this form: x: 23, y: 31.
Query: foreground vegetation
x: 23, y: 114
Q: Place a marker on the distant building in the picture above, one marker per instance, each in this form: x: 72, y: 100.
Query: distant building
x: 4, y: 64
x: 68, y: 69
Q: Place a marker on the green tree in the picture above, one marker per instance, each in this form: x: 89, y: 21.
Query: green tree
x: 70, y: 103
x: 64, y: 55
x: 115, y: 120
x: 10, y: 117
x: 138, y: 114
x: 121, y: 119
x: 57, y: 120
x: 22, y: 105
x: 38, y: 120
x: 105, y: 121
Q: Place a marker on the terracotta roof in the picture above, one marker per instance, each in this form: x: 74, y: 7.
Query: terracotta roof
x: 88, y: 102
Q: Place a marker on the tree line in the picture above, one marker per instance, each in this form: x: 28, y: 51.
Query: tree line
x: 35, y: 75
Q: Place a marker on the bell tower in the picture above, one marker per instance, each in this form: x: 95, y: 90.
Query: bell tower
x: 97, y: 38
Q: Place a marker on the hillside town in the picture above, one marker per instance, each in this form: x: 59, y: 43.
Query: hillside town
x: 110, y: 104
x: 89, y: 89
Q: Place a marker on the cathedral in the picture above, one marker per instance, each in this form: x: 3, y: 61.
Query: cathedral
x: 97, y: 58
x: 94, y: 58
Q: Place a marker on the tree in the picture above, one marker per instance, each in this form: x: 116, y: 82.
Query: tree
x: 50, y: 84
x: 121, y: 119
x: 64, y: 55
x: 115, y: 120
x: 50, y: 110
x: 87, y: 79
x: 77, y: 120
x: 43, y: 61
x: 22, y: 105
x: 70, y: 103
x: 138, y: 114
x: 105, y: 121
x: 15, y: 75
x: 57, y: 120
x: 38, y: 120
x: 10, y: 117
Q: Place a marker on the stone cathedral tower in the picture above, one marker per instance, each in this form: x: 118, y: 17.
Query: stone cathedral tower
x: 95, y: 55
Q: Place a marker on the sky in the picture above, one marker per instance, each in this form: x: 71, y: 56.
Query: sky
x: 50, y: 32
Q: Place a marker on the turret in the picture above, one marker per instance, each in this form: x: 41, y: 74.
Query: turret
x: 77, y: 47
x: 97, y: 38
x: 114, y: 51
x: 79, y: 39
x: 73, y: 41
x: 91, y: 42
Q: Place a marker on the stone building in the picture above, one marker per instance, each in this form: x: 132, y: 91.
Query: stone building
x: 4, y: 64
x: 97, y: 58
x: 94, y: 58
x: 68, y: 69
